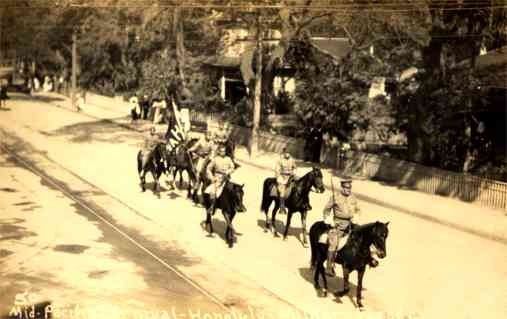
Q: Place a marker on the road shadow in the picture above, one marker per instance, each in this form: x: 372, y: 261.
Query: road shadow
x: 150, y: 186
x: 96, y: 131
x: 10, y: 231
x: 334, y: 284
x: 280, y: 228
x: 5, y: 109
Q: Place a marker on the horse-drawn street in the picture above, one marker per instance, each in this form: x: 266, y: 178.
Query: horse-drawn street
x: 88, y: 236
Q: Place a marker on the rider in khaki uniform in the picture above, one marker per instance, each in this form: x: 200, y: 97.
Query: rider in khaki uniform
x: 285, y: 171
x: 150, y: 142
x: 203, y: 148
x: 345, y: 210
x: 218, y: 171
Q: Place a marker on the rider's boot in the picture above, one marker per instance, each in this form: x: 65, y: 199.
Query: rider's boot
x: 330, y: 264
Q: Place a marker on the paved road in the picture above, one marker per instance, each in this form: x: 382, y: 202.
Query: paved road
x: 430, y: 271
x: 57, y: 248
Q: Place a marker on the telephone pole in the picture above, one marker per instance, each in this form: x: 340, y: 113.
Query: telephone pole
x: 74, y: 71
x: 254, y: 140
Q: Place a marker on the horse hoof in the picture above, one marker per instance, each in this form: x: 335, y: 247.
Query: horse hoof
x: 341, y: 293
x: 360, y: 306
x: 284, y: 238
x: 276, y: 235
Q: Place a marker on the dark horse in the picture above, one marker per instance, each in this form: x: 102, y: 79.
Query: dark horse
x: 156, y: 165
x: 297, y: 201
x: 180, y: 160
x: 229, y: 202
x: 354, y: 256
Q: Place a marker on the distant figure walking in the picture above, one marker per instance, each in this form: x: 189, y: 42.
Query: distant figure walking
x: 3, y: 96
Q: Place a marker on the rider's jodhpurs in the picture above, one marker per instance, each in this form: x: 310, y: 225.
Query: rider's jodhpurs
x: 333, y: 238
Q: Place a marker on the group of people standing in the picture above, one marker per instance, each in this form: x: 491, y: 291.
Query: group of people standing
x: 144, y: 108
x: 50, y: 83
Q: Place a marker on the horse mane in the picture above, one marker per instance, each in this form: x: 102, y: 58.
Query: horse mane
x: 304, y: 177
x: 364, y: 227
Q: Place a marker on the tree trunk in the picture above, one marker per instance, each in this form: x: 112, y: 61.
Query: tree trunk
x: 1, y: 32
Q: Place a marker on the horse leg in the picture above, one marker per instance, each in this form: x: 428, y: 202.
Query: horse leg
x: 142, y: 176
x: 287, y: 225
x: 346, y: 288
x: 181, y: 178
x: 273, y: 217
x: 175, y: 172
x: 155, y: 180
x: 316, y: 278
x: 323, y: 275
x: 320, y: 271
x: 303, y: 224
x: 209, y: 223
x: 228, y: 229
x: 360, y: 275
x: 266, y: 213
x: 189, y: 188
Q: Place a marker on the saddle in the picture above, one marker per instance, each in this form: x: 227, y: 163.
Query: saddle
x: 341, y: 243
x: 288, y: 188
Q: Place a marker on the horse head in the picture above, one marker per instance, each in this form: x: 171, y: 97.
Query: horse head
x: 237, y: 197
x: 379, y: 235
x: 316, y: 180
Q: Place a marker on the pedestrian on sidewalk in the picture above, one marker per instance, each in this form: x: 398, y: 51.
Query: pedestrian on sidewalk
x: 134, y: 108
x: 36, y: 84
x: 145, y: 106
x: 3, y: 95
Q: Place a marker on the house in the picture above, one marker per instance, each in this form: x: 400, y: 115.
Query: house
x: 225, y: 67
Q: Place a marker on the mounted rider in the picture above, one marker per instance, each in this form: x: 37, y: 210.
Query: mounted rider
x: 150, y: 142
x: 285, y: 173
x: 222, y: 137
x: 218, y: 171
x: 345, y: 210
x: 203, y: 149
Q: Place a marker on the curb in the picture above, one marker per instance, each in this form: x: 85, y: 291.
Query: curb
x: 366, y: 198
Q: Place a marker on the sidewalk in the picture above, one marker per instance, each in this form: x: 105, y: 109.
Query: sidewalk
x: 470, y: 218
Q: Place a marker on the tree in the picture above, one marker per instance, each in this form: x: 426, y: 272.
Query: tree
x: 457, y: 32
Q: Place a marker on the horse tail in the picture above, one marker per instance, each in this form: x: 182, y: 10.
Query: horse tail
x: 317, y: 229
x: 265, y: 194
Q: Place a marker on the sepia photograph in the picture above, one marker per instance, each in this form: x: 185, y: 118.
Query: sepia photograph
x: 253, y: 159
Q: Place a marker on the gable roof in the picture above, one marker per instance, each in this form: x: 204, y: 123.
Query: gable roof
x: 336, y: 48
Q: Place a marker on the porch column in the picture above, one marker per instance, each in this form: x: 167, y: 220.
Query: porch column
x: 222, y: 86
